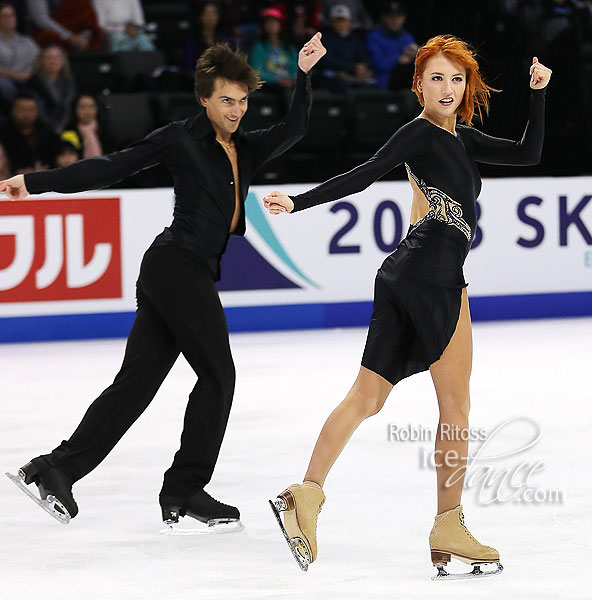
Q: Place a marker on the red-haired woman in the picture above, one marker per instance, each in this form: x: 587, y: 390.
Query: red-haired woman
x: 420, y: 316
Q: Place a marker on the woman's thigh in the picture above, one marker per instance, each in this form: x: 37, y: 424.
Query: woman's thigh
x: 451, y: 373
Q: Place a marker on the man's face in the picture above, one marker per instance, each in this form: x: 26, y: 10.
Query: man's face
x: 24, y: 112
x: 7, y: 19
x: 394, y: 22
x: 227, y: 105
x: 341, y: 25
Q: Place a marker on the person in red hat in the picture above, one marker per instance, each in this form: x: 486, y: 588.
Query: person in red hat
x: 273, y: 56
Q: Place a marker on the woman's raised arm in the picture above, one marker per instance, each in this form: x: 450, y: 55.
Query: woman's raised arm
x: 526, y: 151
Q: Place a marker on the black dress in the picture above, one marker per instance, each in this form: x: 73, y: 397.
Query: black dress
x: 417, y: 293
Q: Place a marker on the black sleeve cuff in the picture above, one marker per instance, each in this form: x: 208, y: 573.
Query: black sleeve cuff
x: 38, y: 182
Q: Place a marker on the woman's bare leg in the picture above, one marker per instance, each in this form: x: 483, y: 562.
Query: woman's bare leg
x: 451, y: 374
x: 366, y: 398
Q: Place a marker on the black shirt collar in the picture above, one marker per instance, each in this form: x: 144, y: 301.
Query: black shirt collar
x: 203, y: 127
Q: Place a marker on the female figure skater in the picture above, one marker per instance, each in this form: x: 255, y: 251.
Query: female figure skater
x: 420, y: 316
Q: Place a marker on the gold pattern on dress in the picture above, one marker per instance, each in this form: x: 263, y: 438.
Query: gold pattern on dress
x: 442, y: 207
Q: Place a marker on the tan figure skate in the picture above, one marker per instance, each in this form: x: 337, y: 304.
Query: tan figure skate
x: 301, y: 505
x: 450, y: 538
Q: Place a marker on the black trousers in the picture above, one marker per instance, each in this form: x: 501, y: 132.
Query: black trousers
x: 179, y: 311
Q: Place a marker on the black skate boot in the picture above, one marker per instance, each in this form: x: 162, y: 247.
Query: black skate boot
x: 219, y: 517
x: 54, y: 486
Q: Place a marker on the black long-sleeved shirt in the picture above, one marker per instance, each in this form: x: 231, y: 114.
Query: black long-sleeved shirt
x: 202, y: 173
x: 441, y: 164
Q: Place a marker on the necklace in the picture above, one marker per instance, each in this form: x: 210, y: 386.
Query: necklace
x: 224, y: 144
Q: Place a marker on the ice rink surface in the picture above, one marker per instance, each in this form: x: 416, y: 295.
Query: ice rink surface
x: 373, y: 529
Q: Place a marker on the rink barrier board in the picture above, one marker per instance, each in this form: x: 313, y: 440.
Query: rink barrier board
x: 290, y: 317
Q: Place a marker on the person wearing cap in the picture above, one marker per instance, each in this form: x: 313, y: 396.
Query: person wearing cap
x: 358, y: 13
x: 347, y: 62
x: 274, y: 58
x: 392, y: 49
x: 123, y: 22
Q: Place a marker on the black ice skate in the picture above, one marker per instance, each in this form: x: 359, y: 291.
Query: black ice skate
x: 54, y: 487
x: 219, y: 518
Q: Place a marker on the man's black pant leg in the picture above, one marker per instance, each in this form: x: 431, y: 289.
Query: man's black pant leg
x: 185, y: 295
x: 150, y: 353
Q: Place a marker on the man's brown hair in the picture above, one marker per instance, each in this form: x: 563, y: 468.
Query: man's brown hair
x: 221, y: 61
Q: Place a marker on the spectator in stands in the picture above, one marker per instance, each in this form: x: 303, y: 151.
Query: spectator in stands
x: 29, y: 143
x: 273, y: 56
x: 72, y: 24
x: 5, y: 168
x: 86, y: 130
x: 346, y: 62
x: 207, y: 31
x: 53, y: 85
x: 123, y: 22
x: 240, y: 19
x: 66, y: 154
x: 392, y: 49
x: 17, y: 55
x: 359, y: 15
x: 304, y: 17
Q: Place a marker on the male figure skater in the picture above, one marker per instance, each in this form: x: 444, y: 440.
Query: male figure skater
x: 212, y: 161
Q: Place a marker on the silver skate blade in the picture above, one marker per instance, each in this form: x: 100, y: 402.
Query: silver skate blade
x: 48, y: 504
x: 293, y: 544
x: 212, y: 527
x: 476, y: 573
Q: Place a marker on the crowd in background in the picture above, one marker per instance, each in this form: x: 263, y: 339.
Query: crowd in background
x: 48, y: 120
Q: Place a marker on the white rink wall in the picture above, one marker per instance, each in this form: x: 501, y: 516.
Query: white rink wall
x: 68, y: 263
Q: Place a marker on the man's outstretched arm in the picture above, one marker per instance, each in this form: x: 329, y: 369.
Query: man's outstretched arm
x: 98, y: 172
x: 285, y: 133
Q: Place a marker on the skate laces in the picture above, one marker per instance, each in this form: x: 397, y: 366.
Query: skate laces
x: 462, y: 522
x: 318, y: 512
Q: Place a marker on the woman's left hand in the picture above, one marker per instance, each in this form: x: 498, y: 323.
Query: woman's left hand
x: 539, y: 75
x: 277, y: 203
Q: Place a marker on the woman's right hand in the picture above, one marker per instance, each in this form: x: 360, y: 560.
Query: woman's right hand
x: 276, y: 203
x: 14, y: 187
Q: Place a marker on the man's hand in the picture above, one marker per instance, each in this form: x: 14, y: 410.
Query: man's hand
x: 21, y: 76
x: 78, y: 41
x: 311, y: 53
x: 277, y: 203
x: 539, y: 75
x: 14, y: 187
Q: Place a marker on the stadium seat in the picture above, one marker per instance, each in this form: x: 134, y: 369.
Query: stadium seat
x: 317, y: 155
x: 377, y: 114
x: 168, y: 24
x: 132, y: 66
x: 94, y: 72
x: 327, y: 125
x: 127, y: 116
x: 174, y: 107
x: 263, y: 112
